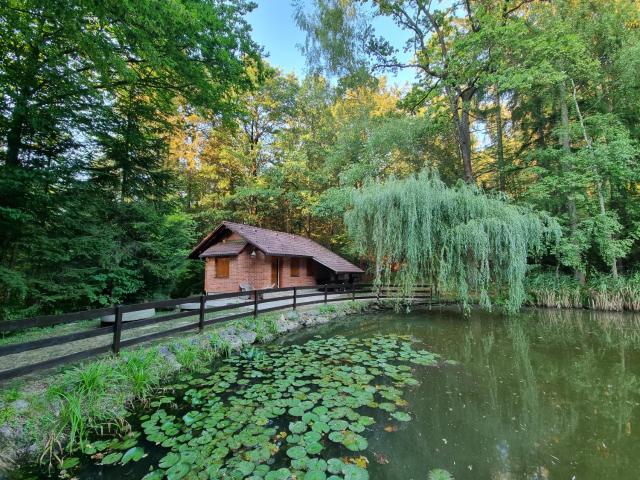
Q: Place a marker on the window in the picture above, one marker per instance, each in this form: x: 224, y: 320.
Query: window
x: 295, y: 267
x: 222, y: 267
x: 309, y: 267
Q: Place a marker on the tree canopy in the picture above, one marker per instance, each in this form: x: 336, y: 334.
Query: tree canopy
x: 129, y: 129
x: 419, y: 231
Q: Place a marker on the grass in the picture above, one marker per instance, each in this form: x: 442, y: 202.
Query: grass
x: 41, y: 332
x: 94, y: 397
x: 601, y: 292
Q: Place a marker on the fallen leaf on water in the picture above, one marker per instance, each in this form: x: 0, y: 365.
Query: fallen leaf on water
x: 360, y: 461
x: 391, y: 428
x: 381, y: 458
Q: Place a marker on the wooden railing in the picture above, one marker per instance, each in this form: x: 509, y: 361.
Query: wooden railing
x: 254, y: 300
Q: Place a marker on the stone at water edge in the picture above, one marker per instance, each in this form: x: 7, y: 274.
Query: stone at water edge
x: 247, y: 336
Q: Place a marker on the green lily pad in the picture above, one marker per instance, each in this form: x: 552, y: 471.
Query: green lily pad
x: 111, y: 458
x: 401, y: 416
x: 169, y: 460
x: 354, y: 472
x: 245, y: 468
x: 154, y: 475
x: 69, y: 462
x: 280, y: 474
x: 315, y: 475
x: 439, y: 474
x: 178, y: 471
x: 297, y: 427
x: 296, y: 452
x: 132, y: 455
x: 335, y: 465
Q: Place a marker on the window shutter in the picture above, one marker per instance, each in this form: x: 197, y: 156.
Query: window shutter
x: 222, y: 267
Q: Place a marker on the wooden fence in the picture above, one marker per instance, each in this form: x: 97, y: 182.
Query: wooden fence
x: 254, y: 302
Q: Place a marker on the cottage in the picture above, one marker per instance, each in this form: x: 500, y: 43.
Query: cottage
x: 239, y: 256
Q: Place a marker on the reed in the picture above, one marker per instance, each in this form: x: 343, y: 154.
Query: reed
x: 551, y: 290
x: 601, y: 292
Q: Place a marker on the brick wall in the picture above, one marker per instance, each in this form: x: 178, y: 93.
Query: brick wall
x: 304, y: 280
x: 255, y: 271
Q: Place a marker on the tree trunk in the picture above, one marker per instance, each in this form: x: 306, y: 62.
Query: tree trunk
x: 596, y: 170
x: 465, y: 145
x: 14, y: 136
x: 566, y: 147
x: 20, y: 114
x: 499, y: 143
x: 463, y: 128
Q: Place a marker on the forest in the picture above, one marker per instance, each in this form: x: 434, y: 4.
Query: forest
x: 128, y: 130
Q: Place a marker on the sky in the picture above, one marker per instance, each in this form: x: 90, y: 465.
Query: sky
x: 275, y: 29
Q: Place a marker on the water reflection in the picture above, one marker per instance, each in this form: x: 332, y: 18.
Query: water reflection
x: 546, y: 394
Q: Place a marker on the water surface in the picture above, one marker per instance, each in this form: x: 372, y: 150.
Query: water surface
x: 546, y: 394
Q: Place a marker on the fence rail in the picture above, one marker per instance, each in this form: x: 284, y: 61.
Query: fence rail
x: 254, y: 298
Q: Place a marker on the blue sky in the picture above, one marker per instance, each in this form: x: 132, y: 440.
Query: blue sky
x: 275, y: 29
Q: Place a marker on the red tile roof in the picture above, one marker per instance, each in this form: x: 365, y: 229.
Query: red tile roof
x: 278, y: 244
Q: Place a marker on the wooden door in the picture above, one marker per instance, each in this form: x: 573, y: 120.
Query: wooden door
x: 275, y: 271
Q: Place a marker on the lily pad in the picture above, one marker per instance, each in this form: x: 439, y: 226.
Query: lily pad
x: 296, y: 452
x: 111, y: 458
x: 401, y: 416
x: 69, y: 462
x: 132, y: 455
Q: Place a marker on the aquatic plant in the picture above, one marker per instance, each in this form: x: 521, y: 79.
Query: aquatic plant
x: 439, y: 474
x: 290, y: 412
x: 418, y: 230
x: 601, y: 292
x: 553, y: 290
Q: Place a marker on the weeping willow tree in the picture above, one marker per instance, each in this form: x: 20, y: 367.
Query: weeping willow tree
x: 419, y: 231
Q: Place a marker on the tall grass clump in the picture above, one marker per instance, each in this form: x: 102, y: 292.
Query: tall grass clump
x: 418, y: 230
x: 606, y: 293
x: 618, y: 293
x: 631, y: 292
x: 554, y: 290
x: 601, y: 292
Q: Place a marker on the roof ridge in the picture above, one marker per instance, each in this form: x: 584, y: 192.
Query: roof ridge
x: 277, y: 232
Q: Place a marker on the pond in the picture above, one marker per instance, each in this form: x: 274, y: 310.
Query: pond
x: 547, y: 394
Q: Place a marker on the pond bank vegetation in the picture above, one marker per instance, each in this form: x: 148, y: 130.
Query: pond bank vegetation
x: 601, y: 292
x: 46, y: 418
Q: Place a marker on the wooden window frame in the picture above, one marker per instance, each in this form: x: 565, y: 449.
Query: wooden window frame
x: 294, y: 266
x: 219, y: 269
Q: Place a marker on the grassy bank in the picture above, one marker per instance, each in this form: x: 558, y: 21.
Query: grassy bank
x: 54, y: 415
x: 601, y: 292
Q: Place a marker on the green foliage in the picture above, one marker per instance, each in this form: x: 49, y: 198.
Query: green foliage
x: 439, y: 474
x: 554, y: 290
x: 600, y: 292
x: 240, y: 403
x: 88, y: 215
x: 116, y: 156
x: 419, y: 231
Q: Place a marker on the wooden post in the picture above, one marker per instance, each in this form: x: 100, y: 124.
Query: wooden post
x: 203, y: 302
x: 295, y: 295
x: 117, y: 330
x: 255, y: 303
x: 325, y: 293
x: 353, y: 292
